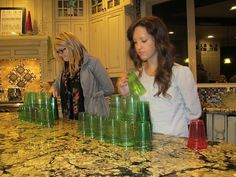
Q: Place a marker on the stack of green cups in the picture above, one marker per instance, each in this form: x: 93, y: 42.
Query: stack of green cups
x: 143, y: 131
x: 39, y: 108
x: 128, y: 125
x: 112, y: 125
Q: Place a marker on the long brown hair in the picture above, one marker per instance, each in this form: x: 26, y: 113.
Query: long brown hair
x: 75, y: 49
x: 166, y: 51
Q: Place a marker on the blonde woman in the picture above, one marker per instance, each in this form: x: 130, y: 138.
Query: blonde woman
x: 83, y: 82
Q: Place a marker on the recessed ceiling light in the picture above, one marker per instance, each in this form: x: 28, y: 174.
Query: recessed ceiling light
x: 210, y: 36
x: 186, y: 60
x: 233, y: 8
x: 227, y: 61
x: 171, y: 32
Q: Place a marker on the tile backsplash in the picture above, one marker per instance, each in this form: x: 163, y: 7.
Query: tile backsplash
x: 21, y: 73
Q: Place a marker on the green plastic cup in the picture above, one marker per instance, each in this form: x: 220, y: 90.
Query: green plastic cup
x: 143, y: 136
x: 126, y: 134
x: 89, y: 125
x: 99, y: 127
x: 143, y: 112
x: 43, y: 99
x: 54, y: 108
x: 81, y: 123
x: 30, y: 98
x: 131, y: 108
x: 116, y: 107
x: 23, y: 112
x: 47, y: 117
x: 112, y: 131
x: 135, y: 86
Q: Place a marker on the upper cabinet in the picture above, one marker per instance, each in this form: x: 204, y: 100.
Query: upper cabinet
x: 108, y: 40
x: 71, y: 16
x: 70, y: 9
x: 101, y: 6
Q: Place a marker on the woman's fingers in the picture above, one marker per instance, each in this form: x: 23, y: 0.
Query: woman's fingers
x: 53, y: 91
x: 122, y: 85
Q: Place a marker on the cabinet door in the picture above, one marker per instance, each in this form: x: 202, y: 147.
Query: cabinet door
x: 69, y: 9
x: 232, y: 129
x: 115, y: 43
x: 103, y: 6
x: 216, y: 127
x: 80, y: 29
x: 96, y: 6
x: 112, y: 4
x: 62, y: 26
x: 97, y: 39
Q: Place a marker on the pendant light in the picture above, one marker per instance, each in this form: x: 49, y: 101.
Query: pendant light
x: 227, y: 59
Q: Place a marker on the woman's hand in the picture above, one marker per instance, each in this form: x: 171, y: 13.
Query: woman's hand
x: 122, y: 85
x: 53, y: 91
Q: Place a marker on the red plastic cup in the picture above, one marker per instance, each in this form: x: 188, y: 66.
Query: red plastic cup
x: 197, y: 136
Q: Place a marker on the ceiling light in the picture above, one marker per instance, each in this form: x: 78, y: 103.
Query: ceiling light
x: 233, y: 8
x: 186, y: 60
x: 227, y: 61
x: 171, y: 32
x: 210, y: 36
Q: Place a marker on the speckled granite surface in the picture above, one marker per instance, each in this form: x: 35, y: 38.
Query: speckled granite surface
x: 30, y: 150
x: 219, y: 108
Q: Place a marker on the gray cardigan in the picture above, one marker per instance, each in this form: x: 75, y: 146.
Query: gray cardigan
x: 95, y: 83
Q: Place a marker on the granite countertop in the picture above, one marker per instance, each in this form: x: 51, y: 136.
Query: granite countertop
x: 30, y: 150
x: 218, y: 108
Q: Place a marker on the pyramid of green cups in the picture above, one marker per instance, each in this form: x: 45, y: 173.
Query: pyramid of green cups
x: 128, y: 124
x: 39, y: 108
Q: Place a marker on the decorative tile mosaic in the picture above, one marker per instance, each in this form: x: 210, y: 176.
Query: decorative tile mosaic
x: 213, y: 95
x: 20, y: 76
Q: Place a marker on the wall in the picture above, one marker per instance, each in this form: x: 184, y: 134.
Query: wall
x: 40, y: 10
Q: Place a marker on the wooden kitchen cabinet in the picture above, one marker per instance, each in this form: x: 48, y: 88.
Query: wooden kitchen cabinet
x: 108, y: 41
x: 102, y: 6
x: 27, y: 47
x: 221, y: 128
x: 79, y: 28
x: 71, y: 16
x: 70, y: 9
x: 232, y: 129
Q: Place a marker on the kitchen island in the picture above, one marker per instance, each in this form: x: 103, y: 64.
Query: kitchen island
x: 28, y: 149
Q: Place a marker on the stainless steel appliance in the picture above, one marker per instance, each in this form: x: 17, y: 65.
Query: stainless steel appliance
x: 14, y: 94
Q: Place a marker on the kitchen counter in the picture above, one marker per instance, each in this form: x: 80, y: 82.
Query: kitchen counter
x: 10, y: 106
x: 218, y: 108
x: 30, y: 150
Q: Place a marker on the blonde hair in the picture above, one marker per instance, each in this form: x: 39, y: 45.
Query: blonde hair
x: 75, y: 49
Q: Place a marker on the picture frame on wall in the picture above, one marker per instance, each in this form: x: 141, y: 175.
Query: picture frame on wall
x: 12, y: 20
